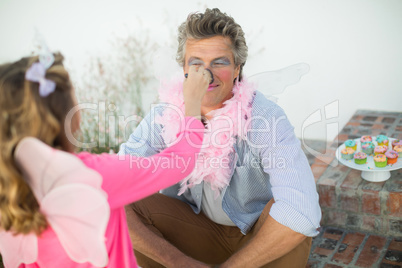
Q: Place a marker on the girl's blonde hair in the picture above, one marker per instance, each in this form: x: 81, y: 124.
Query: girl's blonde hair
x: 23, y: 112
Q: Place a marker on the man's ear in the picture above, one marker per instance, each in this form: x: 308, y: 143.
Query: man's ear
x: 237, y: 72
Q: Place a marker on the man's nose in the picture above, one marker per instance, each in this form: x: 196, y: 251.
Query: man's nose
x: 211, y: 74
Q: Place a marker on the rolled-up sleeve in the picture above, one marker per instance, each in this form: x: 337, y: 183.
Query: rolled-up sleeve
x: 293, y: 186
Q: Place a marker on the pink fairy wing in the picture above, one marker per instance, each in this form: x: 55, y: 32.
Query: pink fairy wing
x: 18, y: 249
x: 70, y: 195
x: 79, y: 215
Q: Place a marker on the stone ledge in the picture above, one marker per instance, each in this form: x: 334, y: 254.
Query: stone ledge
x: 347, y: 201
x: 356, y: 204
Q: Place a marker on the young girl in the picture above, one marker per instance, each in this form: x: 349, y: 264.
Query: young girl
x: 60, y: 209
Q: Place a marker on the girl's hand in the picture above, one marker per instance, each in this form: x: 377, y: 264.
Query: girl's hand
x: 194, y: 88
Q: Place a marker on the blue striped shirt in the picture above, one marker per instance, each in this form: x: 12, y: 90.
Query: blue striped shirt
x: 268, y: 164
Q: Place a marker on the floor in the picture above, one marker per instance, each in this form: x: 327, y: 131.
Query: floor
x: 335, y: 247
x: 338, y: 247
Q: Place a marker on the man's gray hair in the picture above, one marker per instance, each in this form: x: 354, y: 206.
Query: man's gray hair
x: 209, y: 24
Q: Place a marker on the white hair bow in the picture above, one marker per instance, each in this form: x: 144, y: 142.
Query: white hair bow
x: 36, y: 73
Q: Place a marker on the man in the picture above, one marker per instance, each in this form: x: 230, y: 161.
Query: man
x: 251, y: 201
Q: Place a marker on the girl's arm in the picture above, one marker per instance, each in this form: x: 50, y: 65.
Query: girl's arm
x: 127, y: 178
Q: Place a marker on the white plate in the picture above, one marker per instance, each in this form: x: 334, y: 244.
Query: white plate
x: 380, y: 174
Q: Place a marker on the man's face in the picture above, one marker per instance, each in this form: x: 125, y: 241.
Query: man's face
x: 214, y: 53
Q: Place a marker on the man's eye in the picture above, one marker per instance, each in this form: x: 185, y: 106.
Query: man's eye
x: 196, y: 63
x: 221, y: 63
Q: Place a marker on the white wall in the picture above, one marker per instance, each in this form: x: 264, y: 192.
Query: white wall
x: 354, y: 47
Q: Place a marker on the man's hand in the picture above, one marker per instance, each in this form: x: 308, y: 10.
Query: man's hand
x: 194, y: 88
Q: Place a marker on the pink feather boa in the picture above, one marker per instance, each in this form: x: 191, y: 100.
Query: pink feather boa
x: 226, y: 124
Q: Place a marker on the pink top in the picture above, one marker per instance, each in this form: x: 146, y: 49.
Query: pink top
x: 347, y: 151
x: 380, y: 158
x: 391, y: 154
x: 381, y: 149
x: 124, y: 179
x: 360, y: 155
x: 366, y: 139
x: 398, y: 148
x: 395, y: 143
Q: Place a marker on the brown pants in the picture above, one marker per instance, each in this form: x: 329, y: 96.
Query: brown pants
x: 199, y: 237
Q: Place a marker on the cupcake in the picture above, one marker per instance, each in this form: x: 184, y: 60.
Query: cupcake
x: 347, y: 153
x: 392, y: 157
x: 360, y: 158
x: 380, y: 160
x: 398, y: 149
x: 351, y: 144
x: 380, y: 149
x: 368, y: 147
x: 396, y: 142
x: 382, y: 140
x: 364, y: 139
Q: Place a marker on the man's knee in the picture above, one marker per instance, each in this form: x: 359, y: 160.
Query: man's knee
x: 138, y: 211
